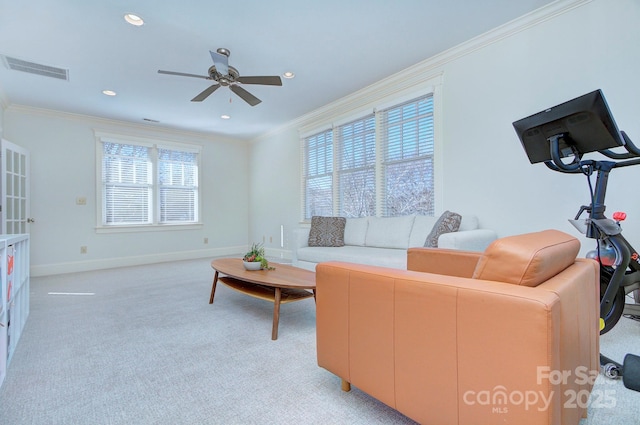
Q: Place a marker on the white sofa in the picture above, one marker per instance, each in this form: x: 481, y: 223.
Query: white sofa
x: 384, y: 241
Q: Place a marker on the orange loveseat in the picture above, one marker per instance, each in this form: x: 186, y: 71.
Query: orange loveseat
x: 507, y: 336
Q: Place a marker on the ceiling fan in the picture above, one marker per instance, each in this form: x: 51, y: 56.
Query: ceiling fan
x: 225, y: 75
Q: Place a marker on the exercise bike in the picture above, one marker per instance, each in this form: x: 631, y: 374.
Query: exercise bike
x: 570, y: 130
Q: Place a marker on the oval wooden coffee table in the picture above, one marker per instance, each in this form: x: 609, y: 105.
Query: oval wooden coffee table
x: 283, y: 285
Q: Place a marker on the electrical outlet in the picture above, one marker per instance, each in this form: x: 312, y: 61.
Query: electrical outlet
x: 83, y: 249
x: 206, y: 240
x: 81, y: 200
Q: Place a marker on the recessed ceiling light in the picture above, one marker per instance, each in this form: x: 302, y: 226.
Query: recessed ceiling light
x: 109, y: 92
x: 225, y: 116
x: 133, y: 19
x: 288, y: 74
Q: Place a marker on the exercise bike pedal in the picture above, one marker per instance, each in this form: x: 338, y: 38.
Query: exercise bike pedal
x: 631, y: 372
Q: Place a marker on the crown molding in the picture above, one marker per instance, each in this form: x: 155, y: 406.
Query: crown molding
x: 102, y: 123
x: 427, y: 70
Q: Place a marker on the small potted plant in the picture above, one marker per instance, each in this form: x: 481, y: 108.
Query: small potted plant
x: 255, y: 259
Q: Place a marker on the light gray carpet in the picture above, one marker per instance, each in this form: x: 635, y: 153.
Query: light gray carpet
x: 610, y: 402
x: 148, y: 348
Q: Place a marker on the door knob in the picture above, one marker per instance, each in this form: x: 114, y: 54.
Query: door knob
x: 31, y: 220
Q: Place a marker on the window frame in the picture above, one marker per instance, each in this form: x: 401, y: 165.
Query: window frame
x: 430, y: 86
x: 154, y: 145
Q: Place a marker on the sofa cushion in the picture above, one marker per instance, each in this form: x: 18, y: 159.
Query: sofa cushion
x: 355, y: 231
x: 527, y: 259
x: 448, y: 222
x: 422, y: 225
x: 327, y: 231
x: 383, y: 257
x: 389, y: 232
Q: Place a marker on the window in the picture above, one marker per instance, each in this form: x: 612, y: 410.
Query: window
x: 178, y: 186
x: 127, y: 185
x: 145, y: 184
x: 362, y: 169
x: 407, y: 168
x: 318, y: 174
x: 356, y: 171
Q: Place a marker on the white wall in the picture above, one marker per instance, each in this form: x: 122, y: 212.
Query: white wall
x: 275, y: 191
x: 63, y: 167
x: 527, y: 66
x: 1, y: 119
x: 250, y: 190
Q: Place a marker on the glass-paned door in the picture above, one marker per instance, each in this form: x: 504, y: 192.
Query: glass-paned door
x: 15, y: 189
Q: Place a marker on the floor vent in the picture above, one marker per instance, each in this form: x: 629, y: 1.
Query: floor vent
x: 35, y: 68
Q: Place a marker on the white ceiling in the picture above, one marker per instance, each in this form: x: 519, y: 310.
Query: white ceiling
x: 335, y: 47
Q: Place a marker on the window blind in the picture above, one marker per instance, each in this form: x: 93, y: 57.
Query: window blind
x: 318, y: 174
x: 356, y: 147
x: 127, y: 184
x: 178, y: 186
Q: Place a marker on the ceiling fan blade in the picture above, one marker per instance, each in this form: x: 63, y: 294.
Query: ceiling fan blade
x: 205, y: 93
x: 245, y: 95
x: 221, y: 62
x: 206, y: 77
x: 267, y: 81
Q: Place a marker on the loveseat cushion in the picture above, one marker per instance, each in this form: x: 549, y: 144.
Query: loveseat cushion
x: 327, y: 231
x: 384, y: 257
x: 355, y: 231
x: 527, y: 259
x: 422, y: 225
x: 389, y: 232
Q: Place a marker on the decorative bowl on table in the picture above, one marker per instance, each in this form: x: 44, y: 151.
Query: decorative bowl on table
x: 252, y: 265
x: 255, y: 259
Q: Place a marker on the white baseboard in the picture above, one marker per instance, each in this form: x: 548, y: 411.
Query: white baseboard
x: 110, y: 263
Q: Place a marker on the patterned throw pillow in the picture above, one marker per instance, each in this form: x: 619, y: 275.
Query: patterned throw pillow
x: 448, y: 222
x: 327, y: 231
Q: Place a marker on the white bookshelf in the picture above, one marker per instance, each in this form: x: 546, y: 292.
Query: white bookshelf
x: 14, y: 305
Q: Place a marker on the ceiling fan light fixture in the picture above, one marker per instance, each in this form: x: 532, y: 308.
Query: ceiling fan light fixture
x: 134, y: 19
x: 225, y: 75
x: 288, y: 75
x: 224, y: 51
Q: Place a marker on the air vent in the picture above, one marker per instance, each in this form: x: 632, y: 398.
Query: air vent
x: 35, y: 68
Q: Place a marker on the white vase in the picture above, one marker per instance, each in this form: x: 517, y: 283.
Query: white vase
x: 252, y: 265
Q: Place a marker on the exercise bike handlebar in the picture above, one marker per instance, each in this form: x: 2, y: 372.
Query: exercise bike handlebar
x: 632, y: 150
x: 631, y: 157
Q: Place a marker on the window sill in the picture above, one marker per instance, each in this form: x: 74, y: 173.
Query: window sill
x: 147, y: 228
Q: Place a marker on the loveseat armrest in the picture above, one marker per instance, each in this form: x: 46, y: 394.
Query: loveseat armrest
x: 450, y: 262
x: 467, y: 240
x: 300, y: 239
